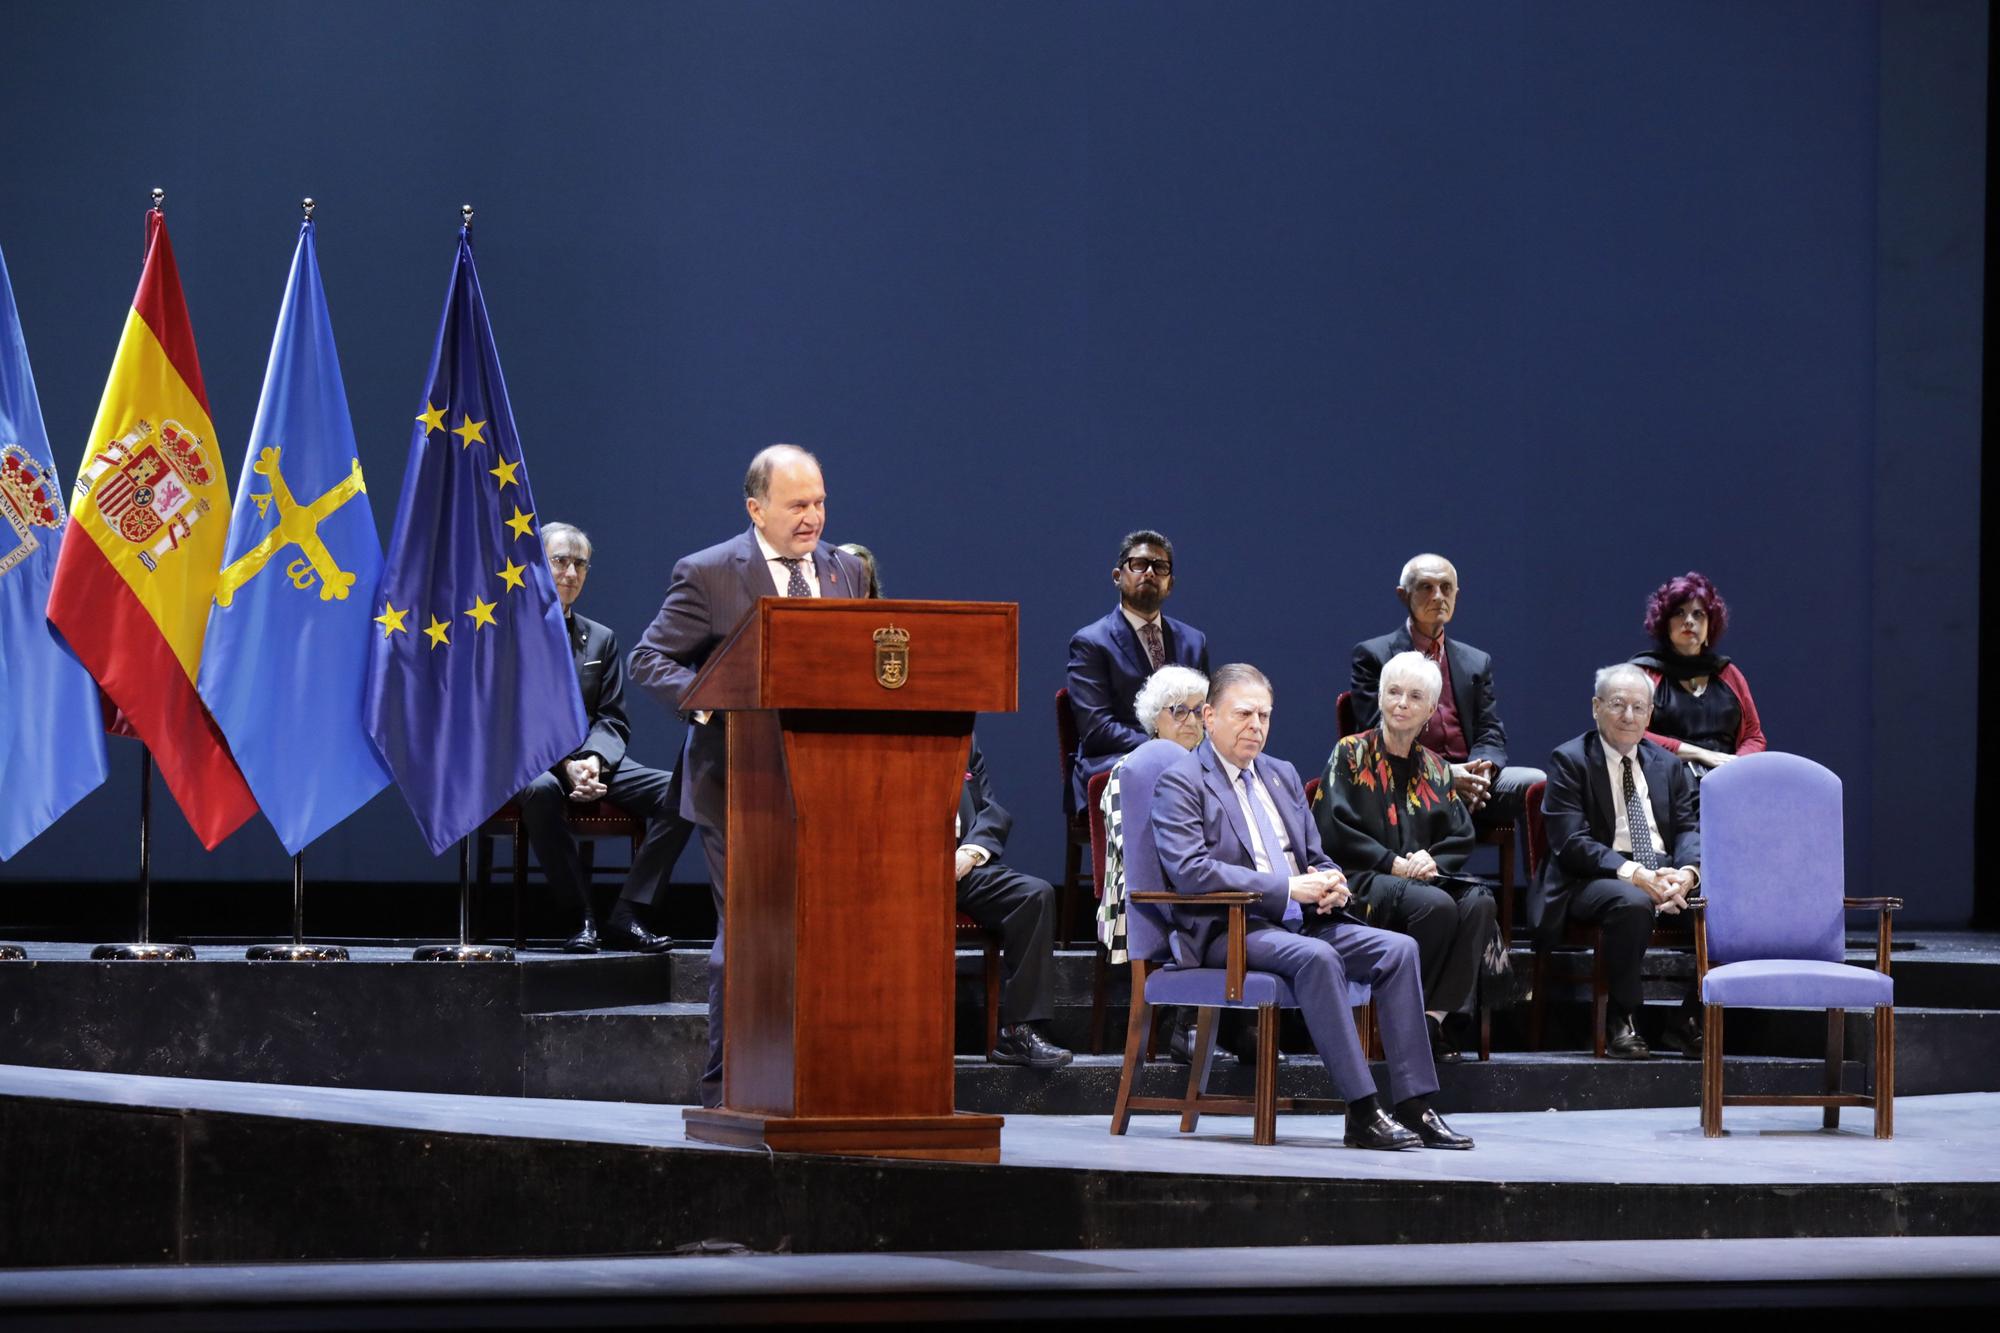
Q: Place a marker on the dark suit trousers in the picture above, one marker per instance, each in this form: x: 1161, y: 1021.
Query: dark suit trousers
x: 1451, y: 935
x: 1318, y: 964
x: 645, y: 793
x: 1624, y: 913
x: 715, y: 851
x: 1022, y: 909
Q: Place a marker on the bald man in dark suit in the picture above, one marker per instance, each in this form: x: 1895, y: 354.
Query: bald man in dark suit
x: 781, y: 555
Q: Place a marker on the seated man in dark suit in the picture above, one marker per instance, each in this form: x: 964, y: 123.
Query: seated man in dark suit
x: 1110, y: 658
x: 1022, y: 909
x: 1230, y: 817
x: 1465, y: 727
x: 1624, y: 847
x: 599, y: 769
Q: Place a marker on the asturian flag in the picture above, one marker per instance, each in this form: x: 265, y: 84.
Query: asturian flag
x: 51, y: 729
x: 286, y: 663
x: 471, y: 689
x: 147, y: 522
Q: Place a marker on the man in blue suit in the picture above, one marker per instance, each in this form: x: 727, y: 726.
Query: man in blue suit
x: 780, y: 556
x: 1230, y: 817
x: 1110, y: 658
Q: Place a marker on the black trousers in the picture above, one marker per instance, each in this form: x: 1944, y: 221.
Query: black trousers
x: 1022, y: 908
x: 715, y: 851
x: 645, y: 793
x: 1624, y: 913
x: 1451, y: 934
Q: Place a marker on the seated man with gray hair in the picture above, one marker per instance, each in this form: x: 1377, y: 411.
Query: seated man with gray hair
x: 1624, y: 847
x: 1464, y: 726
x: 1388, y: 811
x: 599, y: 769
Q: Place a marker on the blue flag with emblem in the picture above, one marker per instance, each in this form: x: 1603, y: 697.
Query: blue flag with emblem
x: 51, y: 728
x: 285, y: 661
x: 471, y: 687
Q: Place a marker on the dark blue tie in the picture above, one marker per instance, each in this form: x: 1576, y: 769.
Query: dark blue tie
x: 1266, y: 834
x: 1643, y: 850
x: 797, y: 585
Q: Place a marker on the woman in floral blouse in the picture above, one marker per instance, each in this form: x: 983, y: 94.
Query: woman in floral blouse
x: 1387, y: 812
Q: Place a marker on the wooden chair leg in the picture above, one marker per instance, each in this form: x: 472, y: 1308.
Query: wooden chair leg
x: 1264, y: 1129
x: 1198, y: 1061
x: 1600, y: 995
x: 1138, y: 1033
x: 520, y: 882
x: 1100, y: 981
x: 1836, y: 1041
x: 1538, y: 1004
x: 991, y: 948
x: 1885, y: 1071
x: 1711, y: 1071
x: 1067, y: 895
x: 1374, y: 1033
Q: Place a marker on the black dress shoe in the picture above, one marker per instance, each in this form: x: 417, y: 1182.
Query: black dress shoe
x: 1683, y: 1035
x: 1429, y: 1126
x: 1240, y: 1040
x: 584, y: 941
x: 634, y: 938
x: 1380, y: 1132
x: 1624, y: 1043
x: 1180, y: 1046
x: 1022, y: 1045
x: 1443, y: 1050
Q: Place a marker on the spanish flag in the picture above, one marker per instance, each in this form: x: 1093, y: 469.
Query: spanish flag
x: 148, y: 520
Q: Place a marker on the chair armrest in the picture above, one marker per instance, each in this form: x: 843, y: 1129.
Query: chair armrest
x: 1236, y: 900
x: 1697, y: 907
x: 1884, y: 906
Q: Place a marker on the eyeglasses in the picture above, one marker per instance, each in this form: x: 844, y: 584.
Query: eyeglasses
x: 1627, y: 708
x: 1181, y: 712
x: 575, y: 562
x: 1139, y: 564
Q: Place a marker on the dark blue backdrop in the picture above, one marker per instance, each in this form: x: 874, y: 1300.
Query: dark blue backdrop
x: 1581, y: 294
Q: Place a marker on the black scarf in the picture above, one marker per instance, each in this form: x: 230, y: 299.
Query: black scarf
x: 1677, y: 668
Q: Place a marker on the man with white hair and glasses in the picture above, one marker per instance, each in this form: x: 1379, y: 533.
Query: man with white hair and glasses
x: 1624, y: 848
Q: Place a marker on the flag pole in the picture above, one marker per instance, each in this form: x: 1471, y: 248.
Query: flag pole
x: 145, y: 950
x: 465, y: 951
x: 298, y: 951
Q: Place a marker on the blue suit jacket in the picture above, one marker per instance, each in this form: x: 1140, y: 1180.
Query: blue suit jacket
x: 1204, y: 845
x: 1107, y: 666
x: 710, y: 592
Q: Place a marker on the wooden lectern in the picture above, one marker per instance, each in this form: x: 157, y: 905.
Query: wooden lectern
x: 850, y: 725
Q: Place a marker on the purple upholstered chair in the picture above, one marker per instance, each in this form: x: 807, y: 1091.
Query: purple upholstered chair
x: 1770, y: 927
x: 1155, y: 980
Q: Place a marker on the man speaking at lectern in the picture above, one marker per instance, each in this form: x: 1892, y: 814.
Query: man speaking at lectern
x: 780, y: 556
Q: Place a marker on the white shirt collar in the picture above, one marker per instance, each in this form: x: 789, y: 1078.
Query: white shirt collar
x: 770, y: 551
x: 1134, y: 619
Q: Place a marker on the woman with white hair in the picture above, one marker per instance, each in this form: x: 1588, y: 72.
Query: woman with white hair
x: 1168, y: 707
x: 1388, y: 812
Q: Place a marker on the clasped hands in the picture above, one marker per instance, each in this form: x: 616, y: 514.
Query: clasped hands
x: 586, y: 781
x: 1417, y: 865
x: 1669, y: 887
x: 1473, y: 781
x: 1326, y: 890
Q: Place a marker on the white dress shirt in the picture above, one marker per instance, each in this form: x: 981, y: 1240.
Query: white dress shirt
x: 781, y: 575
x: 1621, y: 839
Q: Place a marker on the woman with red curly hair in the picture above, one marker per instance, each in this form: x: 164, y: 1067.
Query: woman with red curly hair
x: 1702, y: 709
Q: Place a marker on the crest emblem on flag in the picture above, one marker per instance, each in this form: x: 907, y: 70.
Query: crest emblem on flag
x: 27, y: 502
x: 147, y: 487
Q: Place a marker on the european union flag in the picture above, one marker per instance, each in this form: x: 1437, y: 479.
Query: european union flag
x: 51, y: 729
x: 471, y: 688
x: 285, y: 662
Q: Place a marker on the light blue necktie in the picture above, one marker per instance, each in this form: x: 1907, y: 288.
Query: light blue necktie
x: 1294, y: 914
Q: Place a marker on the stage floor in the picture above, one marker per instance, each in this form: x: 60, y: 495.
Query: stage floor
x: 1946, y: 1138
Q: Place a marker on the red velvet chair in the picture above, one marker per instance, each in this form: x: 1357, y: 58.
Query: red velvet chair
x: 1076, y: 836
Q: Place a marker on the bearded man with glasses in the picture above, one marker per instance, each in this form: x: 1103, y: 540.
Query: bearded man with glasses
x: 1112, y: 657
x: 1624, y: 847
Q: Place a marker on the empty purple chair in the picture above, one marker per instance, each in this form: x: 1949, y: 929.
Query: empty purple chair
x: 1157, y: 980
x: 1771, y: 928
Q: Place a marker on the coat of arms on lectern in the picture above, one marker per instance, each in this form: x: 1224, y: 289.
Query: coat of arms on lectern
x: 892, y: 657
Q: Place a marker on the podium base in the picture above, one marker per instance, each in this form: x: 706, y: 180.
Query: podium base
x: 464, y: 953
x: 144, y: 953
x: 12, y: 953
x: 296, y: 953
x: 944, y: 1138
